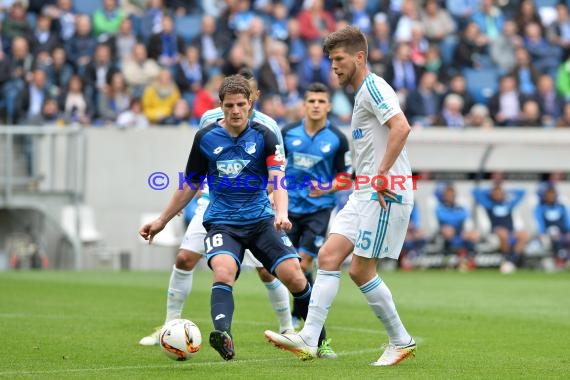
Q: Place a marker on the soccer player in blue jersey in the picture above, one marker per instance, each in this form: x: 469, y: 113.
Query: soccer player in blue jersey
x: 317, y: 154
x: 374, y: 222
x: 192, y: 247
x: 238, y: 158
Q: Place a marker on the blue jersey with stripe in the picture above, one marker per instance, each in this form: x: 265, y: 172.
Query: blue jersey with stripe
x: 552, y: 215
x: 452, y: 215
x: 236, y: 169
x: 313, y: 158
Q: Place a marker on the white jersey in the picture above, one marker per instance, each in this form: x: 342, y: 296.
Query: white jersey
x: 211, y: 116
x: 375, y: 103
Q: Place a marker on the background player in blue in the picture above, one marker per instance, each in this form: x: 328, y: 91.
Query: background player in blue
x: 239, y: 216
x: 315, y: 153
x: 553, y: 221
x: 192, y: 246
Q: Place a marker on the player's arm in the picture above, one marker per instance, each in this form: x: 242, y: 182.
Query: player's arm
x: 342, y: 161
x: 275, y: 161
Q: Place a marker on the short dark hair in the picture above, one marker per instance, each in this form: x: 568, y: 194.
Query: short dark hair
x: 317, y: 87
x: 234, y: 84
x: 246, y: 73
x: 349, y: 38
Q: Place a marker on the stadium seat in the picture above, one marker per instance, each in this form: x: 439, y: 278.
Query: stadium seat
x: 170, y: 236
x: 481, y: 83
x: 89, y: 232
x: 87, y: 7
x: 188, y: 27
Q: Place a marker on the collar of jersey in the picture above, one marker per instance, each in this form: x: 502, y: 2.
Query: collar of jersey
x: 327, y: 124
x: 364, y: 81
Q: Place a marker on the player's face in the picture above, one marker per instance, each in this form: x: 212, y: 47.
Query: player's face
x: 236, y: 109
x: 317, y: 105
x: 343, y: 64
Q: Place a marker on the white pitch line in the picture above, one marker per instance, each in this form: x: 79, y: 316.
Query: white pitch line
x: 172, y: 366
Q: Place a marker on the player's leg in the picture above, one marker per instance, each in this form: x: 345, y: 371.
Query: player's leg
x: 295, y: 235
x: 382, y: 235
x: 180, y: 283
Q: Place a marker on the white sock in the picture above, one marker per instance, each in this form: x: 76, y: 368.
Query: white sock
x: 380, y: 300
x: 279, y: 298
x: 324, y: 291
x: 178, y: 289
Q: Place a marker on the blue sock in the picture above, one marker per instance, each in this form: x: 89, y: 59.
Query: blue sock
x: 222, y: 306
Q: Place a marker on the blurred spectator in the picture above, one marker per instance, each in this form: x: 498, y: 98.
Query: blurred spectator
x: 478, y: 117
x: 139, y: 70
x: 455, y: 229
x: 423, y: 103
x: 279, y: 22
x: 31, y: 100
x: 207, y: 97
x: 272, y: 106
x: 499, y: 205
x: 4, y: 71
x: 76, y: 106
x: 553, y: 221
x: 458, y: 86
x: 189, y: 75
x: 210, y: 44
x: 315, y: 68
x: 58, y: 72
x: 237, y: 60
x: 402, y: 74
x: 151, y: 20
x: 98, y: 73
x: 502, y: 49
x: 341, y: 105
x: 19, y: 71
x: 180, y: 115
x: 436, y: 22
x: 379, y: 43
x: 107, y: 20
x: 544, y: 55
x: 43, y: 41
x: 292, y: 95
x: 525, y: 72
x: 241, y: 15
x: 124, y: 41
x: 530, y: 114
x: 183, y: 7
x: 134, y: 117
x: 450, y: 115
x: 419, y: 45
x: 50, y: 113
x: 358, y: 16
x: 505, y: 105
x: 564, y: 120
x: 252, y: 41
x: 526, y: 14
x: 214, y: 8
x: 273, y: 71
x: 415, y: 241
x: 462, y: 10
x: 63, y: 17
x: 114, y: 99
x: 490, y: 19
x: 133, y: 7
x: 15, y: 24
x: 160, y: 97
x: 559, y: 30
x: 296, y: 46
x: 472, y: 48
x: 81, y: 47
x: 166, y: 47
x: 315, y: 21
x: 409, y: 17
x: 550, y: 102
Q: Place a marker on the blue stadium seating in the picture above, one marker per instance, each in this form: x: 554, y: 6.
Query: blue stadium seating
x: 87, y: 7
x: 188, y: 26
x: 481, y: 83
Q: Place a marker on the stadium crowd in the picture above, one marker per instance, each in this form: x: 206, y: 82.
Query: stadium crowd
x: 480, y: 63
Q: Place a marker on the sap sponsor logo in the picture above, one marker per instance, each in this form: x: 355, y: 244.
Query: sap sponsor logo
x: 357, y: 134
x: 305, y: 161
x: 231, y: 168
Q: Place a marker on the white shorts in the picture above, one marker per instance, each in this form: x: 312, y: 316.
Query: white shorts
x: 375, y: 232
x: 196, y: 233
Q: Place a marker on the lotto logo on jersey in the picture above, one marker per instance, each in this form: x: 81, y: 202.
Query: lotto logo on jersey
x: 357, y: 134
x: 305, y: 161
x: 231, y: 168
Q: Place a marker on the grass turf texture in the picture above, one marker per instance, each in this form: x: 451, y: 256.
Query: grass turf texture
x: 480, y: 325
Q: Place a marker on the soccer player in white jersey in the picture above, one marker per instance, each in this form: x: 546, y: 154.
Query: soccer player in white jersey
x: 192, y: 247
x: 373, y: 223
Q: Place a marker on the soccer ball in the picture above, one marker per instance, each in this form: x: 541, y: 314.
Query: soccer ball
x: 180, y: 339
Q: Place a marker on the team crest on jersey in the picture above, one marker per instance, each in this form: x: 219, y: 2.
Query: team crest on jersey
x: 231, y: 168
x: 286, y: 241
x: 325, y: 148
x: 297, y: 142
x: 305, y: 161
x: 218, y: 150
x: 357, y: 134
x: 249, y: 147
x: 319, y: 240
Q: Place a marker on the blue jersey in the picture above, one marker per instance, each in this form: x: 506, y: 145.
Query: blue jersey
x: 453, y: 216
x: 500, y: 213
x: 236, y: 169
x: 552, y: 215
x: 319, y: 158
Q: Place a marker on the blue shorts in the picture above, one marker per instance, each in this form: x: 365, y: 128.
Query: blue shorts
x: 268, y: 245
x: 309, y: 230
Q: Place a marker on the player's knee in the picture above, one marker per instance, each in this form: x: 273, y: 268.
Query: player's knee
x: 264, y: 275
x: 187, y: 260
x: 327, y: 260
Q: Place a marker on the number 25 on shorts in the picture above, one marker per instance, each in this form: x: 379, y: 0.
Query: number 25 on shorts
x: 214, y: 242
x: 363, y: 240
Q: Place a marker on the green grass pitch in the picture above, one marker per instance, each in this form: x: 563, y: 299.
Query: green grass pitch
x: 479, y: 325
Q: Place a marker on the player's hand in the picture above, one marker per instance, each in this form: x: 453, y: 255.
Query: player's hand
x: 384, y: 191
x: 282, y: 223
x: 149, y: 230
